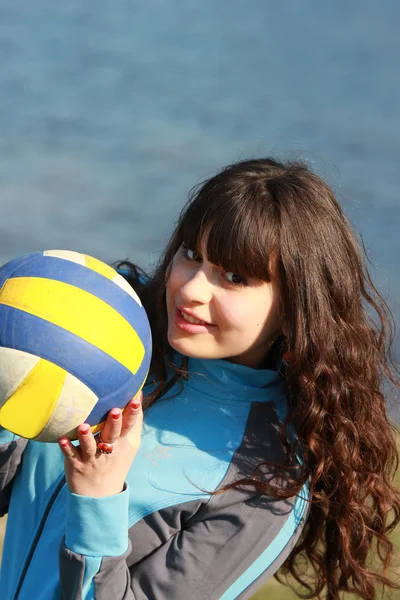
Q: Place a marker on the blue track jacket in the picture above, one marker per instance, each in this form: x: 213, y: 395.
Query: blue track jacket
x: 165, y: 537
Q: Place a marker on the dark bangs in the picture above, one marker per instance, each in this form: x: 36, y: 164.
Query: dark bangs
x: 241, y: 228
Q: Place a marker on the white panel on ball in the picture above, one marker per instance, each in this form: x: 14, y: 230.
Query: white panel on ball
x: 15, y: 365
x: 75, y: 403
x: 122, y: 283
x: 67, y: 255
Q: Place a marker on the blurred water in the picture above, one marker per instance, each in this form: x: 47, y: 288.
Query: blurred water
x: 110, y: 112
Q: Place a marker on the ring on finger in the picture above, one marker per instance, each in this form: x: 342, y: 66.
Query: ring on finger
x: 104, y: 447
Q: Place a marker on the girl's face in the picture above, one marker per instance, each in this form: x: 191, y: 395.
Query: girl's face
x: 213, y: 313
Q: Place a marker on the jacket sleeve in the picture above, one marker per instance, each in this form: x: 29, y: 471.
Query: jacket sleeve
x: 11, y: 449
x: 227, y: 549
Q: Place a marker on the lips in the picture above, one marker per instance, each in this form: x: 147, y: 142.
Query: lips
x: 190, y: 324
x: 191, y: 318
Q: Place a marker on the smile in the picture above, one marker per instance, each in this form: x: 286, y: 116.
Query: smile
x: 191, y: 319
x: 191, y: 324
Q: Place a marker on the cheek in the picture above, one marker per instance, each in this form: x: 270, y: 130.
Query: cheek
x: 250, y: 314
x: 235, y: 312
x: 174, y: 281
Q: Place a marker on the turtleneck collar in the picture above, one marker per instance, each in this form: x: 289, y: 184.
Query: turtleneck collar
x: 224, y: 380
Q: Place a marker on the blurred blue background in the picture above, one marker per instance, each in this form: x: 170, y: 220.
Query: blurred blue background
x: 111, y: 111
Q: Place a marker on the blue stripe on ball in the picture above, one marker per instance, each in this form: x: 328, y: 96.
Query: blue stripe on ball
x: 99, y: 412
x: 9, y: 269
x: 99, y: 371
x: 86, y: 279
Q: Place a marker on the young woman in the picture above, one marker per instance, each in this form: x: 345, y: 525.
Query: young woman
x: 265, y: 437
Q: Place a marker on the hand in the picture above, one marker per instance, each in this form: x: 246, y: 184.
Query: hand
x: 91, y: 473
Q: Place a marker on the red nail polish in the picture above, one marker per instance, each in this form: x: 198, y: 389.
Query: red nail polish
x: 85, y: 430
x: 135, y: 404
x: 115, y: 415
x: 64, y: 443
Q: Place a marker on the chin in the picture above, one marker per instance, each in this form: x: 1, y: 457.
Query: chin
x: 189, y: 348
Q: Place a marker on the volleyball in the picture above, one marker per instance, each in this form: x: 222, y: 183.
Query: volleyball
x: 75, y: 342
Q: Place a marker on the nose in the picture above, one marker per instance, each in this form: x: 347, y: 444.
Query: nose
x: 197, y: 289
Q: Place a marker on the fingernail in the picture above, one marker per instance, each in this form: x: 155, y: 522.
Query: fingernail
x: 64, y: 443
x: 115, y: 413
x: 84, y: 429
x: 135, y: 403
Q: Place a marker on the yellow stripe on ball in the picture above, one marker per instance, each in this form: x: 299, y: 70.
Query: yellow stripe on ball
x: 52, y: 300
x: 99, y: 267
x: 28, y: 418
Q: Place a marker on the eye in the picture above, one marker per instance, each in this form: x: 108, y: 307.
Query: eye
x: 235, y: 279
x: 190, y: 255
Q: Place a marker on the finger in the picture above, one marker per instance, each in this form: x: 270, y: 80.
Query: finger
x: 87, y: 443
x: 69, y: 451
x: 132, y: 414
x: 112, y: 428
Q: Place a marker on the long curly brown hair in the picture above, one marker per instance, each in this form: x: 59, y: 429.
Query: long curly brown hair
x: 337, y: 334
